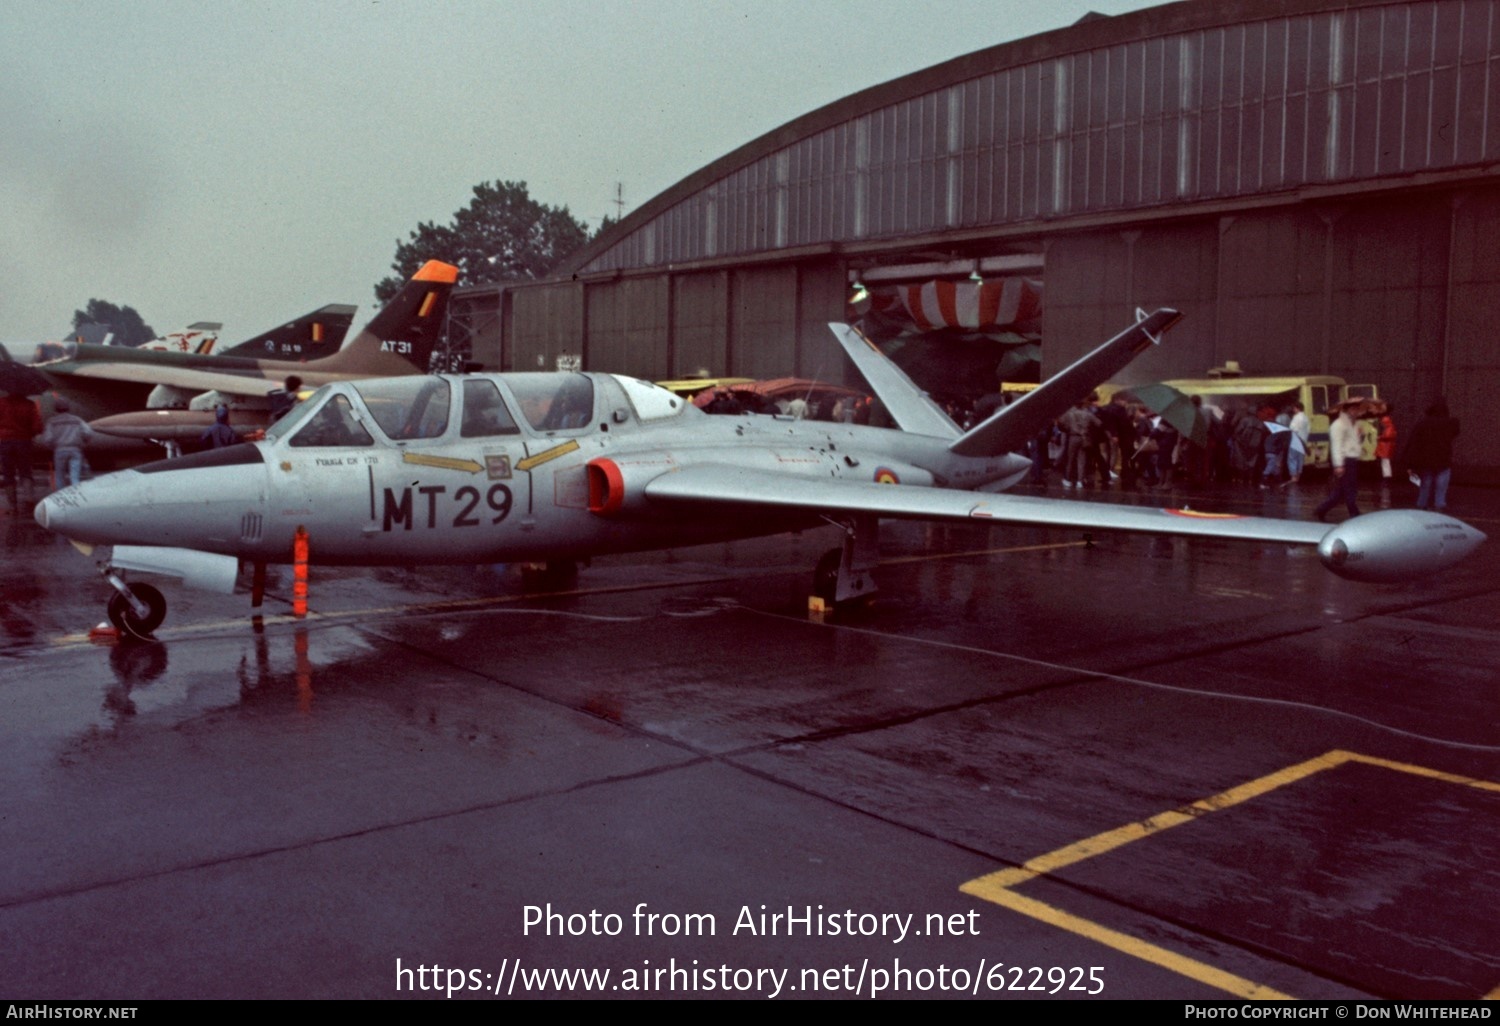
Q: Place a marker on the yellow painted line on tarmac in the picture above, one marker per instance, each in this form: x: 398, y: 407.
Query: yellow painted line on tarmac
x: 1191, y: 968
x: 1423, y: 771
x: 1120, y: 836
x: 998, y: 887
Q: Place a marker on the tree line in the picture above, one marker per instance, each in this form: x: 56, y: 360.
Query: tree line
x: 502, y: 235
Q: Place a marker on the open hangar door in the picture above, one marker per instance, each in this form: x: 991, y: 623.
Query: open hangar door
x: 957, y: 328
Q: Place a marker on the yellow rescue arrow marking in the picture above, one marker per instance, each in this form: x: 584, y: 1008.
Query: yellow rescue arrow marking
x: 551, y: 454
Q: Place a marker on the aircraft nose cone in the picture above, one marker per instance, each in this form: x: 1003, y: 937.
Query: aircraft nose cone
x: 52, y: 512
x: 82, y: 511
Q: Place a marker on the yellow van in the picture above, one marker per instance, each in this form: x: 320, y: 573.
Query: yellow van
x: 1317, y: 394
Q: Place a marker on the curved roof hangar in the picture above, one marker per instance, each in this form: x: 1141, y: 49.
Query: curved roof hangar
x: 1168, y: 107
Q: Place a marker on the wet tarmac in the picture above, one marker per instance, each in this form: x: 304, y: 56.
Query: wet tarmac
x: 1032, y: 767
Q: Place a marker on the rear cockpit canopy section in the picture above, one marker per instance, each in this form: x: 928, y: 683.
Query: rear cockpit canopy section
x: 554, y: 401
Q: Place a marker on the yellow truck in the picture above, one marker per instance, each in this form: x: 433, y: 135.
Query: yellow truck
x: 1317, y: 394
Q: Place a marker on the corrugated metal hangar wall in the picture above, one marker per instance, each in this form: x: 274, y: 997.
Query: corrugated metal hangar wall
x: 752, y: 322
x: 1399, y: 290
x: 1315, y: 184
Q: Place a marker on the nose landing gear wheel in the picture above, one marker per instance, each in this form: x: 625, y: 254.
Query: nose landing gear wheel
x: 124, y: 618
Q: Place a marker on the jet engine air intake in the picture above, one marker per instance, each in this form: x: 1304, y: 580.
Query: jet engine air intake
x: 618, y: 487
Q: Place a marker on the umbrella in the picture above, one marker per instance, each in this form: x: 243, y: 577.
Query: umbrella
x: 1361, y: 406
x: 1176, y: 409
x: 20, y: 379
x: 1297, y: 444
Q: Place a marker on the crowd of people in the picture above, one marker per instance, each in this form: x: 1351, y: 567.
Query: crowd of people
x: 1262, y: 445
x: 1124, y: 441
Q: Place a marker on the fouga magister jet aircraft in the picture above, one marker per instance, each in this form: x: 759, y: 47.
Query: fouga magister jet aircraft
x: 492, y: 468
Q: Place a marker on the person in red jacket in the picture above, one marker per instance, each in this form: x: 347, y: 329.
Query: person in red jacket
x: 1385, y: 443
x: 20, y: 422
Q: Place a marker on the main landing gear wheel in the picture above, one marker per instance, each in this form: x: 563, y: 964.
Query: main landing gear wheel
x: 125, y: 619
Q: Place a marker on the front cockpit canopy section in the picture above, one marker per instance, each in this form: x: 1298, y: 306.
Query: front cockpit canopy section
x: 407, y: 408
x: 335, y: 415
x: 293, y: 418
x: 334, y: 423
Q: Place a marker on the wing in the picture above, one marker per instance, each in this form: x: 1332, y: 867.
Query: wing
x: 1390, y: 545
x: 720, y: 485
x: 188, y: 379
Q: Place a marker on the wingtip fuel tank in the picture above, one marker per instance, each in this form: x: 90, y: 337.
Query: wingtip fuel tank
x: 1397, y: 545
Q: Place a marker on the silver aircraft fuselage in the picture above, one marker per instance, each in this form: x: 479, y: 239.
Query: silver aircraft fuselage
x: 521, y: 467
x: 461, y: 493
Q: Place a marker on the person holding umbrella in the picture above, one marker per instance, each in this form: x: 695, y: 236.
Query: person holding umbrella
x: 1181, y: 417
x: 1182, y: 412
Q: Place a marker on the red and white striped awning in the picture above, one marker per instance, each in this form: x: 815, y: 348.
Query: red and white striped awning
x: 976, y: 306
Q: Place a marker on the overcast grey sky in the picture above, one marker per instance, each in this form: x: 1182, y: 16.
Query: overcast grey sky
x: 249, y: 162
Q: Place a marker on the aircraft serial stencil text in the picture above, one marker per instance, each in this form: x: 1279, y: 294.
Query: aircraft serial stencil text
x: 463, y: 504
x: 689, y: 976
